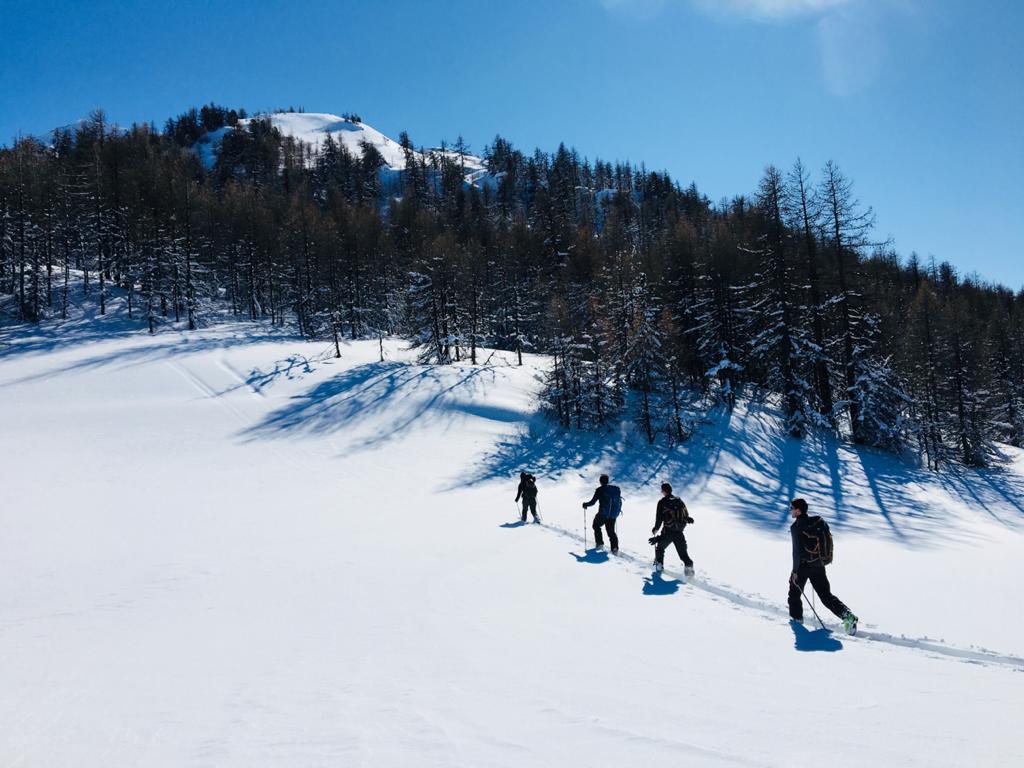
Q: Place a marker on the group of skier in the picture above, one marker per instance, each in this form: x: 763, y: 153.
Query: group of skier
x: 811, y: 540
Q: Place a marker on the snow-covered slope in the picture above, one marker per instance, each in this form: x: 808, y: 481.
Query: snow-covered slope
x: 313, y: 127
x: 228, y: 548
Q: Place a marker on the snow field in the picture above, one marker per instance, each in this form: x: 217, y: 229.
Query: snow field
x: 227, y: 548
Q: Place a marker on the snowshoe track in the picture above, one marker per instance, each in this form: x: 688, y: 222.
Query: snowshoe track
x: 773, y: 611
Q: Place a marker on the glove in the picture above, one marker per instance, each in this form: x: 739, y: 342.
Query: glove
x: 689, y: 520
x: 652, y: 540
x: 792, y: 578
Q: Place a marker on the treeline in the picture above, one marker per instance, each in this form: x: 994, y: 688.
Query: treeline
x: 653, y: 301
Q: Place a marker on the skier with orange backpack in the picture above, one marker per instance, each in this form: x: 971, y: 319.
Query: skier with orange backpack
x: 812, y: 551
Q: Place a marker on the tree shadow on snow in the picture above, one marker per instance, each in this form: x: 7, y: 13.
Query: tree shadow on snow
x: 656, y: 584
x: 85, y: 327
x: 141, y: 348
x: 741, y: 464
x: 737, y: 463
x: 390, y: 397
x: 809, y: 640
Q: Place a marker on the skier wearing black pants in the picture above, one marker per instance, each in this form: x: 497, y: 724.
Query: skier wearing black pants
x: 609, y: 501
x: 672, y: 518
x: 528, y: 492
x: 808, y: 565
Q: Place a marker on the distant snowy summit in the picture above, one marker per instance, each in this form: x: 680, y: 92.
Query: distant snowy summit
x: 313, y: 128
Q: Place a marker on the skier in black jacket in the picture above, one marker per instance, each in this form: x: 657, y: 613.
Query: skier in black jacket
x: 671, y: 518
x: 609, y: 501
x: 807, y: 565
x: 528, y: 492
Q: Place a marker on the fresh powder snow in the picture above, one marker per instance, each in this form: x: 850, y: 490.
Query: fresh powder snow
x: 229, y: 548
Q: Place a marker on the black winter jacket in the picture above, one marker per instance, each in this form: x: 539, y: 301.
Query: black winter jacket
x: 527, y: 489
x: 664, y: 516
x: 603, y: 498
x: 796, y: 531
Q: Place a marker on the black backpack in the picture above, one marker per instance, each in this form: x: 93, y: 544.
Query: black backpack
x: 530, y: 487
x: 817, y: 542
x: 676, y: 514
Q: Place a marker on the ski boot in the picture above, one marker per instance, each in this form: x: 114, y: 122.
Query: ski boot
x: 850, y: 623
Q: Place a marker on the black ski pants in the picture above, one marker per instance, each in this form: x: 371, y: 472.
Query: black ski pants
x: 815, y: 572
x: 608, y: 523
x: 671, y: 536
x: 529, y: 505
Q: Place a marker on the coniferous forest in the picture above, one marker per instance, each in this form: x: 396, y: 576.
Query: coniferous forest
x: 653, y: 302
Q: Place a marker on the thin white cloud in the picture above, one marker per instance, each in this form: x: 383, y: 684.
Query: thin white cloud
x: 852, y: 36
x: 855, y: 41
x: 851, y: 48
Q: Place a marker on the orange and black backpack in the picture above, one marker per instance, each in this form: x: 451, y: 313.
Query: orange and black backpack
x: 817, y: 542
x: 677, y: 517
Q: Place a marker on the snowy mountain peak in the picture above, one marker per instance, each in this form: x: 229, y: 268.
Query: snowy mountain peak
x: 313, y: 128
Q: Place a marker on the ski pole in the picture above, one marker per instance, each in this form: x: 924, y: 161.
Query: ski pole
x: 812, y: 609
x: 584, y: 530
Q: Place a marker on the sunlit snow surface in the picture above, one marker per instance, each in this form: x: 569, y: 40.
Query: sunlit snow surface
x: 312, y: 128
x: 228, y: 548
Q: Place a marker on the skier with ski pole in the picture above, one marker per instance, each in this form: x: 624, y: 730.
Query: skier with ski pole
x: 528, y: 492
x: 609, y: 501
x: 812, y: 551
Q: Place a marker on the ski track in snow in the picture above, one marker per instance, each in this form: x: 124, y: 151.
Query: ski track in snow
x: 242, y: 380
x: 209, y: 392
x: 685, y: 748
x: 772, y: 611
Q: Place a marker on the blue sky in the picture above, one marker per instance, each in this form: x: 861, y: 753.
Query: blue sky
x: 921, y: 102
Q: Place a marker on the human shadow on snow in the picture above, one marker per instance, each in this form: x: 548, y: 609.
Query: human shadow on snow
x: 657, y: 584
x: 809, y: 640
x: 592, y: 556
